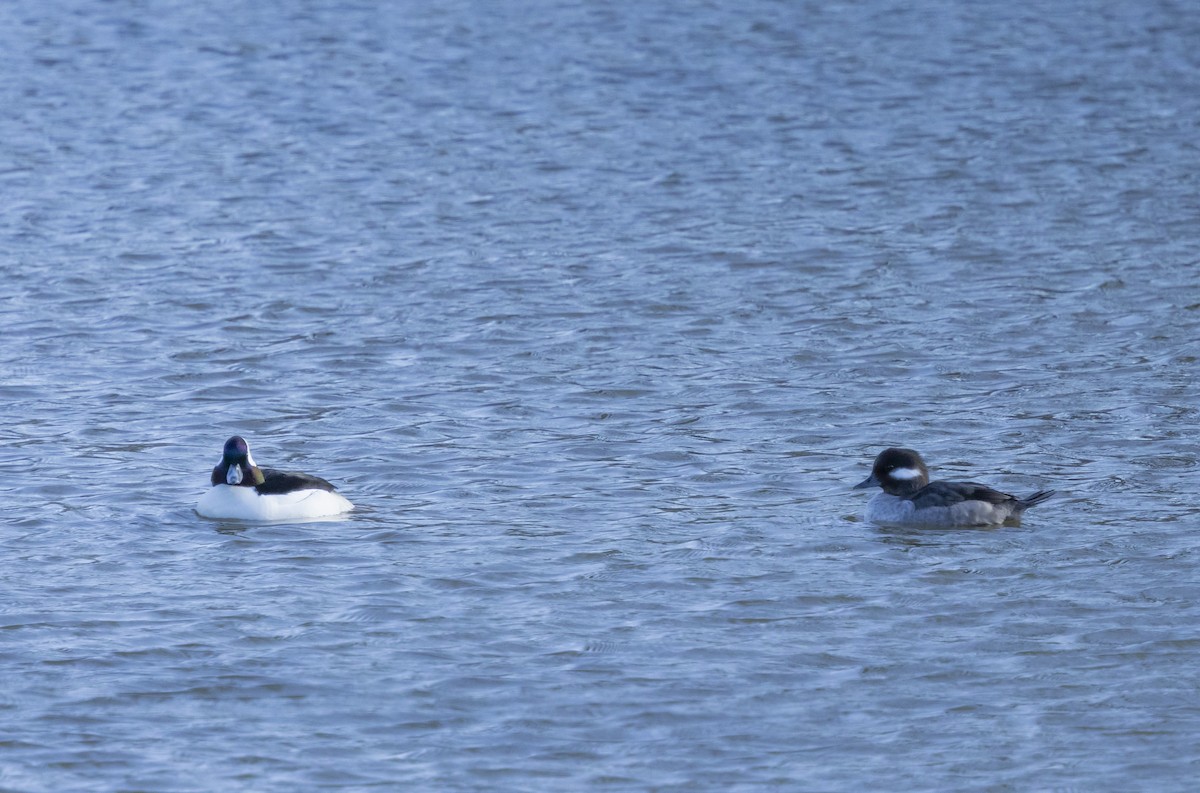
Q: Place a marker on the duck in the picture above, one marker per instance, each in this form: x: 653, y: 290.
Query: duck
x: 240, y: 490
x: 910, y: 499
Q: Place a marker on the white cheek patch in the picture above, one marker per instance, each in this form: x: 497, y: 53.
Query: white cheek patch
x: 904, y: 473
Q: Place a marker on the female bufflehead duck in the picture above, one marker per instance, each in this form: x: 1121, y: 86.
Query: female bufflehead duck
x: 243, y: 491
x: 910, y: 499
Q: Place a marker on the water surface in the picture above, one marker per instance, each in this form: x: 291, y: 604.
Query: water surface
x: 596, y: 311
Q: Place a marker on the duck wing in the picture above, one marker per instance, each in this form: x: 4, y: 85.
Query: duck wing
x: 945, y: 494
x: 276, y: 482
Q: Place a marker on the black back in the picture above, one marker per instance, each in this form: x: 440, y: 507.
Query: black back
x: 275, y: 482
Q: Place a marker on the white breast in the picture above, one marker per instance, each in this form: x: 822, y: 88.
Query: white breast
x: 244, y: 503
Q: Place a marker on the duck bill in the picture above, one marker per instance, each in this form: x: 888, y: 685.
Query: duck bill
x: 870, y: 481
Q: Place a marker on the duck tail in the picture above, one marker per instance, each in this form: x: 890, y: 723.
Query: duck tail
x: 1034, y: 498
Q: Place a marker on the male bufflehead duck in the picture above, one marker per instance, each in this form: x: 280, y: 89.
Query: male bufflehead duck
x: 243, y: 491
x: 910, y: 499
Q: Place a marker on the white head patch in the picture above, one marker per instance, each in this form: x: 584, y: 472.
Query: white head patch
x: 904, y: 473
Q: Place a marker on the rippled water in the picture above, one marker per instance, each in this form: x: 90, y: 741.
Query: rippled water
x: 596, y: 311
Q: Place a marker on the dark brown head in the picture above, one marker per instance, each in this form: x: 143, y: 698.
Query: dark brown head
x: 900, y: 472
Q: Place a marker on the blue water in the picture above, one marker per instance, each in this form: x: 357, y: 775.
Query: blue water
x: 596, y: 311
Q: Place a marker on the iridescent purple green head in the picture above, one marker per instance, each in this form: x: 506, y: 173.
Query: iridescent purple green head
x: 237, y: 466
